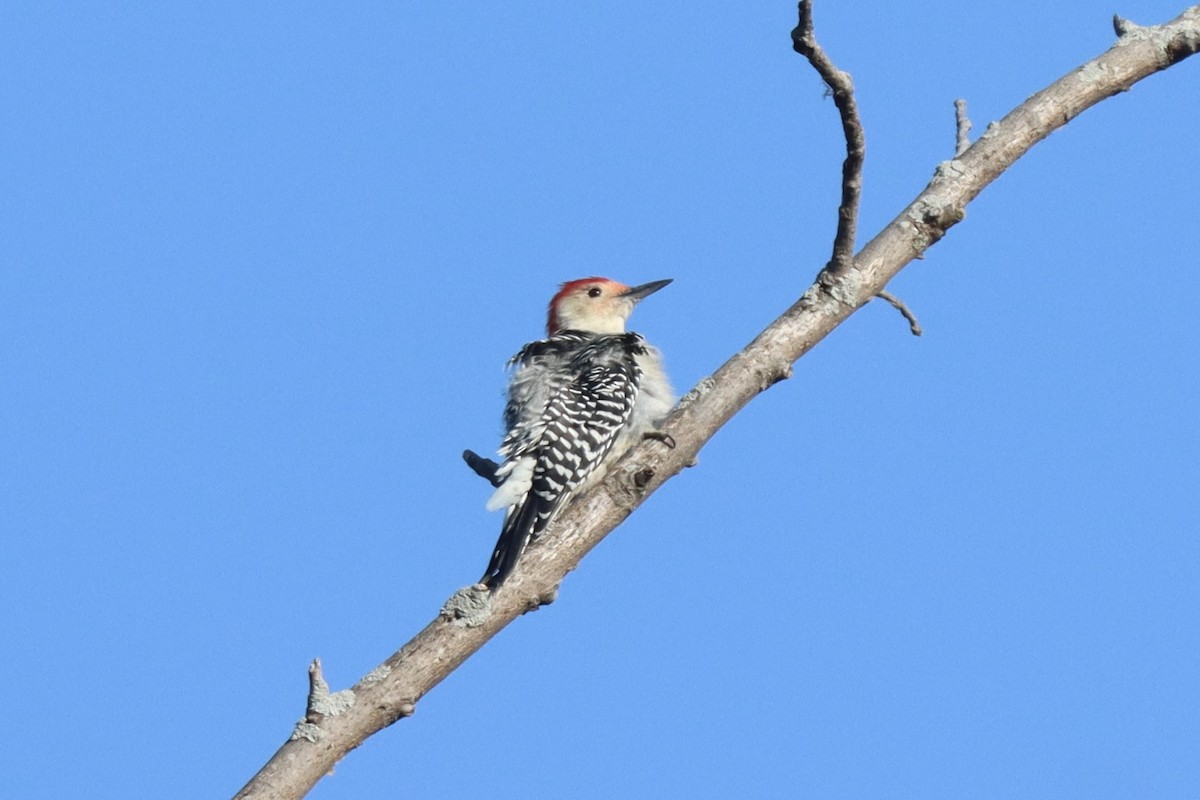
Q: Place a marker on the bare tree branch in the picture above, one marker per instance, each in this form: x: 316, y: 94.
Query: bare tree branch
x: 841, y: 87
x: 336, y: 723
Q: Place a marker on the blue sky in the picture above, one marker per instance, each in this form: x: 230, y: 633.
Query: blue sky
x: 262, y: 265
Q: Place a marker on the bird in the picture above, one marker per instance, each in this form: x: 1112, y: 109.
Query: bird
x: 576, y: 401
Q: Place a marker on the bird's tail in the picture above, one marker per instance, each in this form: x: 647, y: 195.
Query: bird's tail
x: 518, y: 528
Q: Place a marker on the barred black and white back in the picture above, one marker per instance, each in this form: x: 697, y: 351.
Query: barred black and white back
x: 576, y: 402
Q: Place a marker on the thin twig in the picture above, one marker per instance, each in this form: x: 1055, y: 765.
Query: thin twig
x: 317, y: 687
x: 842, y: 88
x: 898, y: 304
x: 962, y: 127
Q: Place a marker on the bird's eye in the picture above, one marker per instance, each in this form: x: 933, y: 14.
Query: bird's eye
x: 594, y: 291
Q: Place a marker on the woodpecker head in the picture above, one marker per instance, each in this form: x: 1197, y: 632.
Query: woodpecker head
x: 596, y: 305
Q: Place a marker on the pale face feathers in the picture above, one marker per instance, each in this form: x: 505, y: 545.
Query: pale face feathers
x: 596, y: 305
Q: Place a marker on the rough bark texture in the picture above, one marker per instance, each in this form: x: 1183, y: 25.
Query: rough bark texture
x: 336, y: 723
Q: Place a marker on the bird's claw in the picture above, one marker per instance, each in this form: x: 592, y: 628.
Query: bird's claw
x: 659, y: 436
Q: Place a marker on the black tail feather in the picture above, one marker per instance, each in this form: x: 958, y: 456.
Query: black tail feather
x: 514, y: 536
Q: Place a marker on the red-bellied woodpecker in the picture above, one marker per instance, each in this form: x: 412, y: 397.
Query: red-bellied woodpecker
x: 577, y: 401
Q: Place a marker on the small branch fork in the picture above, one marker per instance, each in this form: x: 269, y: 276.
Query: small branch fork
x: 962, y: 140
x: 841, y: 87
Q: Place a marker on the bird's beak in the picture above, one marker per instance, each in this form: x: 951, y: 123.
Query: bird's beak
x: 638, y: 293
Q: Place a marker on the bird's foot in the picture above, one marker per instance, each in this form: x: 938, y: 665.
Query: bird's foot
x: 659, y: 436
